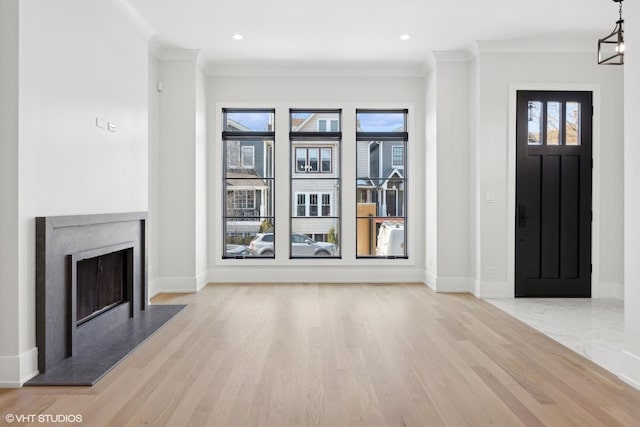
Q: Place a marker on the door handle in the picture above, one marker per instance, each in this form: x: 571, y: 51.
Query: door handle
x: 522, y: 216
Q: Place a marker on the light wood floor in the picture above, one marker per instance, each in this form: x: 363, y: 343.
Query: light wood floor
x: 341, y: 355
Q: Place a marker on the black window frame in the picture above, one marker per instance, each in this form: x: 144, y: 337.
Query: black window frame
x: 384, y: 136
x: 336, y: 169
x: 269, y: 178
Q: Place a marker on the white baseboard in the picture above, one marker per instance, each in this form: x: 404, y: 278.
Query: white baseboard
x: 631, y: 370
x: 493, y: 290
x: 173, y: 285
x: 431, y: 280
x: 609, y: 290
x: 152, y: 290
x: 17, y: 370
x: 202, y: 280
x: 448, y: 284
x: 476, y: 287
x: 315, y: 274
x: 454, y: 284
x: 287, y: 274
x: 502, y: 290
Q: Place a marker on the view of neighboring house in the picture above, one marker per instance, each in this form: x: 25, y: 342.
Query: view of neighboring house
x: 315, y: 179
x: 380, y: 196
x: 248, y: 193
x: 380, y: 172
x: 315, y: 173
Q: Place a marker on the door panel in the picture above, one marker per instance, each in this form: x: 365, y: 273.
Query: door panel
x: 550, y: 216
x: 569, y: 227
x: 553, y: 194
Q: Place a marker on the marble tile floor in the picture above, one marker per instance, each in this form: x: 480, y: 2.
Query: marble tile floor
x: 593, y: 328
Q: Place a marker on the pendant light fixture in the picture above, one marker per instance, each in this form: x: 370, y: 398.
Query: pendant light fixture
x: 611, y: 48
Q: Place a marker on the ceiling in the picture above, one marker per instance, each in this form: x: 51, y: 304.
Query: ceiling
x: 352, y: 32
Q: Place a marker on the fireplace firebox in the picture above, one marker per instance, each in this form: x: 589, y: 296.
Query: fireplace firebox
x: 102, y: 282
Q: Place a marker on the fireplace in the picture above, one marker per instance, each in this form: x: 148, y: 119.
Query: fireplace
x: 91, y: 295
x: 73, y: 307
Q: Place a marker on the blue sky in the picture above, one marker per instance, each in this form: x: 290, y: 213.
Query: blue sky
x: 369, y: 121
x: 257, y: 121
x: 381, y: 122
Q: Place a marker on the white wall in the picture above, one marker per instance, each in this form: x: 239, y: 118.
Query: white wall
x: 67, y: 165
x: 201, y: 179
x: 448, y: 162
x: 180, y: 187
x: 318, y: 92
x: 632, y: 194
x: 153, y: 234
x: 474, y: 168
x: 499, y: 73
x: 431, y: 180
x: 176, y: 184
x: 9, y: 341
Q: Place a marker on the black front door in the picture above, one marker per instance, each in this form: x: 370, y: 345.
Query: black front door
x: 391, y: 203
x: 553, y: 194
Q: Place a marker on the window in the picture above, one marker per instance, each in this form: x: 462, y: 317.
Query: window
x: 315, y: 181
x: 397, y: 156
x: 325, y: 205
x: 248, y: 208
x: 313, y: 160
x: 243, y: 199
x: 313, y: 204
x: 248, y: 157
x: 553, y: 123
x: 240, y: 156
x: 328, y: 125
x: 381, y: 143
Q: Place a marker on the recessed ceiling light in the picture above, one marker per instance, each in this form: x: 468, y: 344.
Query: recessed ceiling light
x: 237, y: 36
x: 405, y: 37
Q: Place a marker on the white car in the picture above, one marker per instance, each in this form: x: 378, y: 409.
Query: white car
x: 301, y: 245
x: 391, y: 239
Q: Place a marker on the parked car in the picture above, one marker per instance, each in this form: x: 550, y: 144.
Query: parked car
x: 240, y: 251
x: 301, y: 245
x: 262, y: 244
x: 391, y: 239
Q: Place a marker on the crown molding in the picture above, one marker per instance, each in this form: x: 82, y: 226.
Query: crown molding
x: 324, y: 69
x: 573, y: 43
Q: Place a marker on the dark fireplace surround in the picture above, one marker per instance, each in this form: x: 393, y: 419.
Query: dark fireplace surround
x: 108, y: 253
